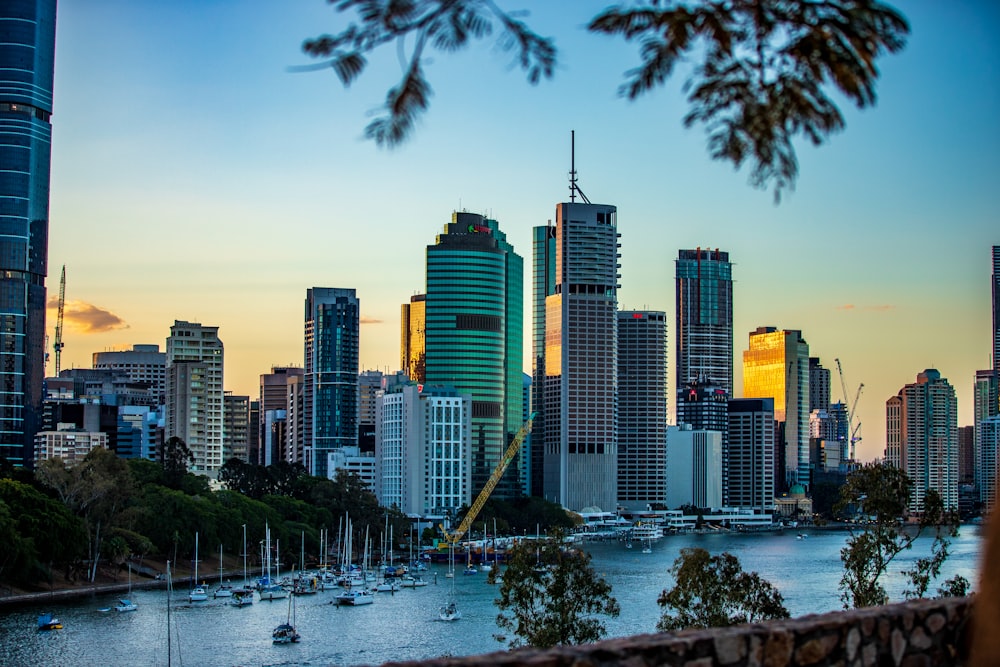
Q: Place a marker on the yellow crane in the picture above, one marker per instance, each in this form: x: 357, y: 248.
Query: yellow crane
x: 454, y: 536
x: 58, y: 343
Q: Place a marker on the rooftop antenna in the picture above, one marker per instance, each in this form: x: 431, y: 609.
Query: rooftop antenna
x: 574, y: 188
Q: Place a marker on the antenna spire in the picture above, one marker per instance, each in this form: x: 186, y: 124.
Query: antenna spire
x: 574, y: 188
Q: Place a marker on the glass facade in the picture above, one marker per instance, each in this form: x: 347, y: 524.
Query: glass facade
x: 330, y: 409
x: 413, y: 347
x: 474, y: 336
x: 27, y: 55
x: 704, y: 291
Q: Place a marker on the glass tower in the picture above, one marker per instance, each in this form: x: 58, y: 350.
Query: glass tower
x: 330, y: 392
x: 27, y: 60
x: 704, y: 288
x: 543, y: 283
x: 996, y: 308
x: 473, y: 333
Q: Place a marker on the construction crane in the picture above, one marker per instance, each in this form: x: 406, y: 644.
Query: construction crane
x: 57, y: 344
x: 454, y: 536
x: 852, y: 428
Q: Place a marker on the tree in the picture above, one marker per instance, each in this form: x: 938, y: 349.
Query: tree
x: 880, y: 493
x: 714, y: 591
x: 175, y: 457
x: 760, y: 75
x: 550, y: 595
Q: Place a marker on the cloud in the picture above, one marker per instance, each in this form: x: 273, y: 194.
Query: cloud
x: 846, y: 306
x: 365, y: 319
x: 881, y: 308
x: 87, y: 318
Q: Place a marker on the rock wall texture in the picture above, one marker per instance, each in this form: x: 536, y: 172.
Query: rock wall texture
x: 920, y: 633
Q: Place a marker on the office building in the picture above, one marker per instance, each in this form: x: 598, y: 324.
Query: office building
x: 274, y: 441
x: 922, y: 437
x: 137, y: 432
x: 752, y: 431
x: 819, y: 385
x: 194, y: 395
x: 643, y: 397
x: 543, y: 283
x: 235, y: 427
x: 143, y: 364
x: 581, y: 360
x: 330, y: 391
x: 967, y: 455
x: 694, y: 473
x: 996, y: 308
x: 413, y: 348
x: 985, y: 404
x: 988, y: 462
x: 776, y: 365
x: 422, y: 437
x: 273, y: 396
x: 702, y: 406
x: 473, y: 336
x: 27, y: 51
x: 704, y: 333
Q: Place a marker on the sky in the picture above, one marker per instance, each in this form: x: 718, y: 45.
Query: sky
x: 196, y: 175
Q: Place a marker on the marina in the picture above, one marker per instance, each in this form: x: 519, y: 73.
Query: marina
x: 408, y: 624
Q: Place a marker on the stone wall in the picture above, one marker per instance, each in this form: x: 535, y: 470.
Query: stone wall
x: 920, y: 633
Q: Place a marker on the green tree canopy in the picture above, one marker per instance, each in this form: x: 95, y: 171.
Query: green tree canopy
x: 761, y: 71
x: 714, y: 591
x: 550, y: 595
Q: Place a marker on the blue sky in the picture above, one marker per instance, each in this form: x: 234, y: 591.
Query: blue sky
x: 196, y: 177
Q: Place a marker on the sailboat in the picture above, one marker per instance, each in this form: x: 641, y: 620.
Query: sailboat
x: 485, y: 566
x: 286, y: 632
x: 450, y: 612
x: 243, y: 596
x: 268, y: 588
x: 125, y: 603
x: 197, y: 593
x: 224, y: 590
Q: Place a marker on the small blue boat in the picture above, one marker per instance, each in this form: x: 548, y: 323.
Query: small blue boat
x: 47, y: 622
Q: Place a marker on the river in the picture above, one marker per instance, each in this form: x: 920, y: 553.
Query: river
x: 404, y: 625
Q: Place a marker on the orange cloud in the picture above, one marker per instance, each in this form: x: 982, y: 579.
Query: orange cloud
x: 85, y: 317
x: 365, y: 319
x: 846, y: 306
x: 881, y: 308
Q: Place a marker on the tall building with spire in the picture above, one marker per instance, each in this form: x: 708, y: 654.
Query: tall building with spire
x: 776, y: 365
x: 704, y: 329
x: 330, y: 378
x: 922, y: 437
x: 474, y: 311
x: 27, y: 50
x: 581, y: 357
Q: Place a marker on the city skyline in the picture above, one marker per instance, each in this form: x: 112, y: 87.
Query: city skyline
x: 262, y: 188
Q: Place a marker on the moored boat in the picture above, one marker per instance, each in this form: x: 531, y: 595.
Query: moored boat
x: 48, y: 622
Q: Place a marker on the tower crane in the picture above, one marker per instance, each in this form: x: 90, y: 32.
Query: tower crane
x: 454, y: 536
x: 852, y: 428
x: 57, y: 344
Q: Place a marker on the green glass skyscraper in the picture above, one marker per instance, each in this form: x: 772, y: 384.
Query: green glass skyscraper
x: 474, y: 330
x: 27, y: 55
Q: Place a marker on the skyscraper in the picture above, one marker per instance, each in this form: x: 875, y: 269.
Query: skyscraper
x: 473, y: 335
x: 194, y: 409
x: 27, y: 51
x: 143, y: 364
x: 704, y: 331
x: 777, y: 366
x: 273, y: 396
x: 985, y: 399
x: 702, y: 406
x: 643, y: 397
x: 543, y: 283
x: 751, y: 453
x: 819, y: 385
x: 996, y: 308
x: 581, y: 360
x: 922, y: 437
x: 413, y: 348
x: 330, y: 380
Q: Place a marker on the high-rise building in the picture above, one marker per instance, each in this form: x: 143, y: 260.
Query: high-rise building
x: 330, y: 392
x: 777, y: 366
x: 236, y: 427
x: 543, y: 283
x: 273, y: 396
x: 985, y: 404
x: 704, y: 333
x: 967, y: 455
x: 996, y: 308
x: 922, y: 437
x: 819, y: 385
x: 474, y: 328
x: 27, y: 51
x: 643, y: 397
x: 413, y: 348
x: 142, y: 364
x: 988, y: 462
x: 421, y: 441
x: 194, y: 396
x: 694, y: 476
x: 581, y: 360
x: 751, y: 453
x: 702, y: 406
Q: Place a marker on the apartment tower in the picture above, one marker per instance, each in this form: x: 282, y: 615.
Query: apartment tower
x: 27, y: 51
x: 330, y: 377
x: 922, y: 437
x: 195, y: 397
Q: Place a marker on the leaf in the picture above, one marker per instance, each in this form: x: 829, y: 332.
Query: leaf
x: 348, y: 67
